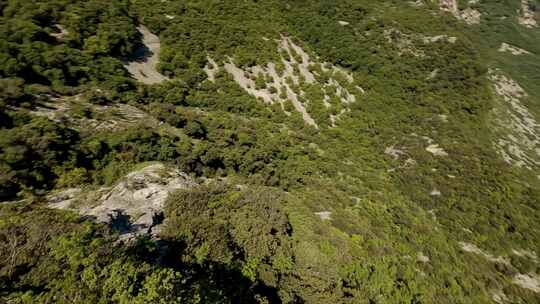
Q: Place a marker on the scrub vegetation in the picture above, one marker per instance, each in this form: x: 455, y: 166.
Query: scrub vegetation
x: 401, y: 196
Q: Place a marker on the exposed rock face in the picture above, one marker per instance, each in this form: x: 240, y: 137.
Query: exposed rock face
x: 433, y: 39
x: 521, y: 143
x: 211, y: 69
x: 468, y: 15
x: 526, y: 254
x: 403, y: 42
x: 394, y: 152
x: 527, y: 18
x: 134, y: 206
x: 505, y: 47
x: 449, y: 6
x: 528, y: 281
x: 435, y: 192
x: 468, y: 247
x: 111, y: 117
x: 421, y: 257
x: 324, y: 215
x: 499, y: 296
x: 143, y: 67
x: 283, y: 80
x: 407, y: 43
x: 436, y: 150
x: 64, y: 199
x: 417, y: 3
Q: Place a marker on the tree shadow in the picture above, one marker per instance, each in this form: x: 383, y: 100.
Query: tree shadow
x: 141, y: 53
x: 120, y: 221
x: 215, y: 280
x: 157, y: 219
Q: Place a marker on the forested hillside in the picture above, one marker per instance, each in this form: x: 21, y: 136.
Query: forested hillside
x: 244, y: 151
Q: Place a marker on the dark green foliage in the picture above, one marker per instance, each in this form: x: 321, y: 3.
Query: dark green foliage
x: 202, y: 216
x: 207, y: 26
x: 97, y: 29
x: 30, y: 153
x: 50, y: 256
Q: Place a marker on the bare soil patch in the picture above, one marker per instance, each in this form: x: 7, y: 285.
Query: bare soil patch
x: 143, y: 64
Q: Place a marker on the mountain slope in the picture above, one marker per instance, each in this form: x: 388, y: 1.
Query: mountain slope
x: 337, y: 152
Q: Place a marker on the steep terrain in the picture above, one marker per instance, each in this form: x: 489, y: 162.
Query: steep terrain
x: 307, y: 151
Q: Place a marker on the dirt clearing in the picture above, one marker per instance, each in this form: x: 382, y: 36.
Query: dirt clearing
x: 143, y: 64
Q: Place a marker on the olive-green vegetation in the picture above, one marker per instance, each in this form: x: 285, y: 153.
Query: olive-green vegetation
x: 249, y: 233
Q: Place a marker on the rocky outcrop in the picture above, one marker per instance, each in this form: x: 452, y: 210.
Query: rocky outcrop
x: 468, y: 15
x: 134, y: 206
x: 60, y: 32
x: 107, y: 117
x: 527, y: 17
x: 505, y: 47
x: 408, y: 43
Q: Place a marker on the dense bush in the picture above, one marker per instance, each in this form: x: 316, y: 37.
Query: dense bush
x: 30, y: 154
x: 96, y: 30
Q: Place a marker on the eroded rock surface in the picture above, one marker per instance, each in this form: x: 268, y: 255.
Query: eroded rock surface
x: 95, y: 117
x: 283, y: 80
x: 324, y: 215
x: 436, y: 150
x: 134, y: 206
x: 527, y: 17
x: 471, y: 248
x: 528, y: 281
x: 407, y: 43
x: 61, y: 32
x: 520, y: 143
x: 468, y: 15
x: 505, y: 47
